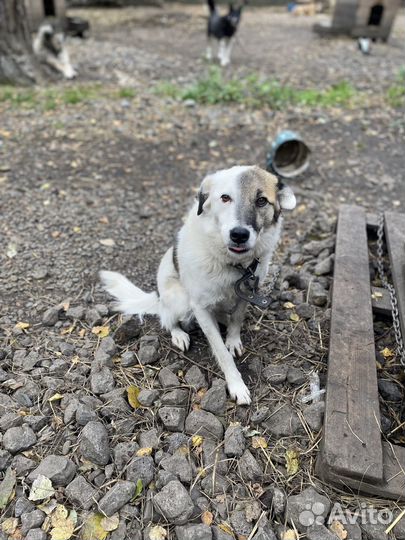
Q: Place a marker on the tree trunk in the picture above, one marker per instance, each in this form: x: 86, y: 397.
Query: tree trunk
x: 17, y: 61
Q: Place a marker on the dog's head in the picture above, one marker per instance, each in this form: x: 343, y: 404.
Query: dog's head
x: 242, y: 203
x: 234, y: 15
x: 52, y: 38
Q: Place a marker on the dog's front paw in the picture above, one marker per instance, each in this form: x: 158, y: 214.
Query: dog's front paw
x: 239, y: 391
x: 234, y: 345
x: 180, y: 339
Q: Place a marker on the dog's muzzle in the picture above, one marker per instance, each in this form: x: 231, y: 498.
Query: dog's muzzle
x: 239, y: 236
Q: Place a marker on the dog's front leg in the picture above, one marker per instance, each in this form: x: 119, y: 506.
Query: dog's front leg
x: 237, y: 388
x: 233, y: 341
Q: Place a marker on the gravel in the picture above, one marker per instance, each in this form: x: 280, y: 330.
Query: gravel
x: 194, y: 532
x: 116, y: 497
x: 275, y: 374
x: 60, y: 470
x: 178, y: 465
x: 214, y: 400
x: 173, y: 418
x: 148, y: 397
x: 283, y: 421
x: 81, y: 493
x: 234, y: 441
x: 94, y: 444
x: 18, y: 439
x: 249, y: 467
x: 167, y: 378
x: 205, y: 424
x: 174, y: 503
x: 31, y: 520
x: 123, y: 453
x: 148, y: 350
x: 141, y: 468
x: 309, y: 499
x: 195, y: 378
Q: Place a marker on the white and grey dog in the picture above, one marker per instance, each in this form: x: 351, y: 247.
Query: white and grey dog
x: 49, y: 46
x: 236, y: 219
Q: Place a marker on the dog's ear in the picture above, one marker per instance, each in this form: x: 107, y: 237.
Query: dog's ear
x: 203, y: 195
x: 285, y: 196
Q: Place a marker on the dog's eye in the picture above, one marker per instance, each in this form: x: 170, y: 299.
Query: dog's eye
x: 261, y: 201
x: 225, y: 198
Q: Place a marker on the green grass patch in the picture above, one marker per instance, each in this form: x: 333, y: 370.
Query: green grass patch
x: 256, y: 92
x: 126, y: 92
x: 396, y: 92
x: 59, y: 96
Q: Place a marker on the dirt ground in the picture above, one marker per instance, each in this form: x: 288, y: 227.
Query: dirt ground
x: 103, y: 183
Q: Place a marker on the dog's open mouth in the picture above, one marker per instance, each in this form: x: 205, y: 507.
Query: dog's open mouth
x: 238, y: 249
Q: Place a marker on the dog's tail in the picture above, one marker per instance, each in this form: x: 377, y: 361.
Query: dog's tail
x: 211, y: 6
x: 130, y: 299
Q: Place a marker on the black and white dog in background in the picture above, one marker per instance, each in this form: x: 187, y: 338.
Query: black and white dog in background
x: 49, y: 46
x: 222, y: 28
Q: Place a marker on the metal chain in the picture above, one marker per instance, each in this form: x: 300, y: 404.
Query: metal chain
x: 393, y: 297
x: 269, y: 287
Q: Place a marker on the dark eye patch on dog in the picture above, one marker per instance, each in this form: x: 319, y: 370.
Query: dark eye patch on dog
x: 255, y: 184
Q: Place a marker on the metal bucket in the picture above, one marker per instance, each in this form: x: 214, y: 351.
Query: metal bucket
x: 289, y: 155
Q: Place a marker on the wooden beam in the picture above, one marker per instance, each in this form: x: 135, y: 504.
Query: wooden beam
x: 381, y: 301
x: 395, y: 237
x: 352, y: 440
x: 393, y: 485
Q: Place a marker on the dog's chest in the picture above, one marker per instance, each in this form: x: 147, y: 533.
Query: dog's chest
x: 219, y: 290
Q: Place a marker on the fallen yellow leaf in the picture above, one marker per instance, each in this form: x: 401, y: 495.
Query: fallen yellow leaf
x: 63, y: 523
x: 133, y: 393
x: 289, y: 534
x: 289, y: 305
x: 55, y: 397
x: 7, y: 487
x: 196, y: 441
x: 387, y: 353
x: 41, y: 489
x: 92, y: 529
x: 225, y: 528
x: 22, y: 325
x: 294, y: 317
x: 69, y: 330
x: 259, y: 442
x: 337, y: 528
x: 157, y: 533
x: 207, y: 518
x: 142, y: 452
x: 110, y: 523
x: 101, y: 331
x: 9, y: 525
x: 292, y: 461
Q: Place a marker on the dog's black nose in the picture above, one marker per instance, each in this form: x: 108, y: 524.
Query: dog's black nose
x: 239, y: 235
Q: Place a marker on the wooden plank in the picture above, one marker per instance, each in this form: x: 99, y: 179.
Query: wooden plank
x: 372, y: 221
x: 352, y: 441
x: 380, y: 301
x: 393, y: 485
x: 395, y: 236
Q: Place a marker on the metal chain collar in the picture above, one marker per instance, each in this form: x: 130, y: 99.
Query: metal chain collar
x: 246, y: 288
x: 390, y: 288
